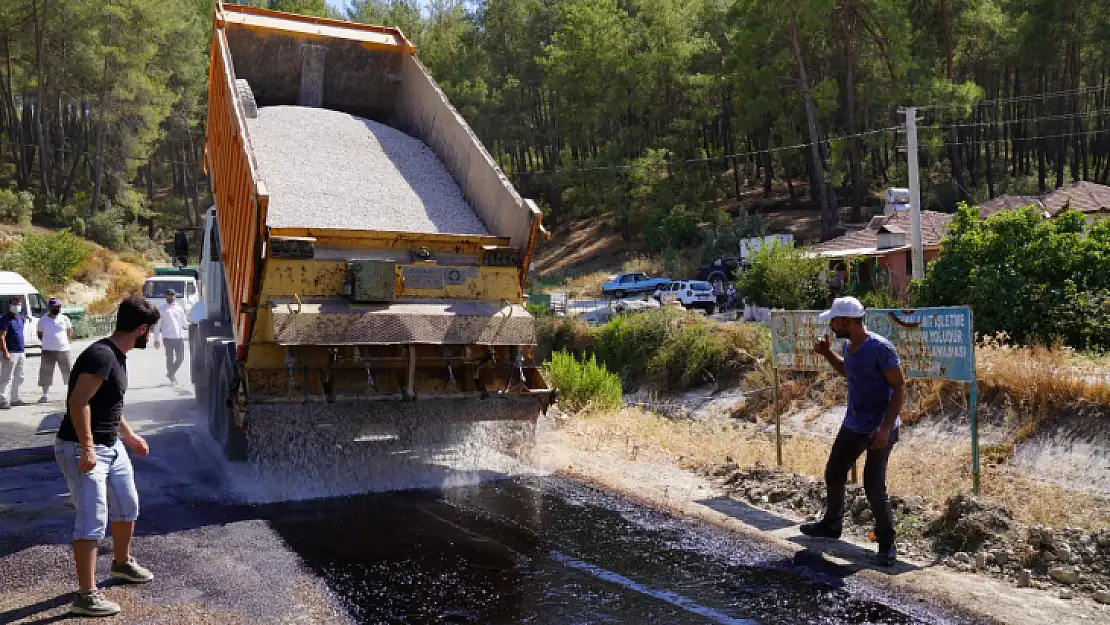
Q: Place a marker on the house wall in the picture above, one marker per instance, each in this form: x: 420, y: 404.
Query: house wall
x: 897, y: 263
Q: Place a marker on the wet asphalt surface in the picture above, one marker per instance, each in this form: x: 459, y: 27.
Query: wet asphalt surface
x: 530, y: 549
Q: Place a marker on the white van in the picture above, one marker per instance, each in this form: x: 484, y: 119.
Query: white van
x: 34, y: 305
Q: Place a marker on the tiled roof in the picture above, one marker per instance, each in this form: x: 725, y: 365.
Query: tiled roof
x: 1085, y: 197
x: 934, y: 226
x: 1007, y: 202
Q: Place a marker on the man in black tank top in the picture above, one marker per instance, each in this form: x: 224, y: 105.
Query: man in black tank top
x: 91, y: 449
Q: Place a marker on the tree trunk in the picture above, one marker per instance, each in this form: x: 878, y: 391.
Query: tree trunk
x: 954, y: 136
x: 1041, y: 173
x: 828, y: 213
x: 7, y: 91
x: 769, y: 162
x: 990, y: 162
x: 947, y: 37
x: 856, y: 165
x: 39, y: 17
x: 101, y: 137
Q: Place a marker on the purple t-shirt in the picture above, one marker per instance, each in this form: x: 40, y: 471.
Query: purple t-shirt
x: 868, y: 391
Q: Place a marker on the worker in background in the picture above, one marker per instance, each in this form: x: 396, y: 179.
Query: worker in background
x: 12, y: 342
x: 173, y: 329
x: 56, y: 333
x: 876, y: 391
x: 719, y: 294
x: 731, y: 293
x: 91, y: 450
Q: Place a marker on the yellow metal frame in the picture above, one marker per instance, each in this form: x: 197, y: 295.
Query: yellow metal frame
x: 388, y: 240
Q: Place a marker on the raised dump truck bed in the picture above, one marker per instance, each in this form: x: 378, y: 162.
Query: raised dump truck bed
x: 365, y: 258
x: 383, y: 178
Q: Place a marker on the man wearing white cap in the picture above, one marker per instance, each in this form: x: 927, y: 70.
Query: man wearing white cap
x: 876, y: 391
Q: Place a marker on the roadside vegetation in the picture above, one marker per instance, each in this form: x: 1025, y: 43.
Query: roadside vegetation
x: 54, y: 259
x: 583, y: 384
x: 666, y: 349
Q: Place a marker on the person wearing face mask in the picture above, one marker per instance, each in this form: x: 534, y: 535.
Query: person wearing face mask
x: 56, y: 332
x: 11, y: 340
x: 91, y: 450
x: 876, y: 392
x: 173, y: 328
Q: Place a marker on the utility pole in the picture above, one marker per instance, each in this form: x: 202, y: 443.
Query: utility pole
x: 918, y: 255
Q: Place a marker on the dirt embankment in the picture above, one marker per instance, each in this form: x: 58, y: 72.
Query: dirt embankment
x: 625, y: 453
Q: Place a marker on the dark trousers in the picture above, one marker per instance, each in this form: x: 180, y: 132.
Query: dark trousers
x: 175, y: 355
x: 846, y: 450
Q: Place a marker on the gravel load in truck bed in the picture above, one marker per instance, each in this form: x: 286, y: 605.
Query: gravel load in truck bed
x: 326, y: 169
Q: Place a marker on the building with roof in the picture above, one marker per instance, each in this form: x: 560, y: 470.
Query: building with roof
x: 886, y: 242
x: 1093, y: 200
x: 886, y: 239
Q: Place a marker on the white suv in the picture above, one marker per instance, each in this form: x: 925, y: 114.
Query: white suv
x: 691, y: 294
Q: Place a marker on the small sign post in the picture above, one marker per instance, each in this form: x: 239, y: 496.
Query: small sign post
x: 932, y: 343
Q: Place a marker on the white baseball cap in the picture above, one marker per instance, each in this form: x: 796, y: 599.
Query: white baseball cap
x: 843, y: 307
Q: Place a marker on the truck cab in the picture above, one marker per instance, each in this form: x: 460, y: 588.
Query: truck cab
x: 182, y: 282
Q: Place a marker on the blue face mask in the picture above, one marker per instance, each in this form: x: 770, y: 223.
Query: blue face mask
x: 15, y: 309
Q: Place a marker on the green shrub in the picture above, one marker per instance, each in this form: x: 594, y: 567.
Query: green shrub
x: 51, y: 260
x: 699, y: 351
x: 52, y: 215
x: 1038, y: 280
x: 83, y: 328
x: 569, y: 334
x: 106, y: 228
x: 671, y: 349
x: 674, y: 228
x: 628, y: 343
x: 583, y: 384
x: 16, y: 208
x: 783, y: 276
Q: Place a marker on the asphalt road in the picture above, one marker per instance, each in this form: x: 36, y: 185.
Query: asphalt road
x: 531, y: 549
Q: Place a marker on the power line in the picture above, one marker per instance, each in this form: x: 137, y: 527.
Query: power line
x: 1024, y: 98
x: 1015, y: 139
x: 1030, y: 120
x: 705, y: 159
x: 114, y: 153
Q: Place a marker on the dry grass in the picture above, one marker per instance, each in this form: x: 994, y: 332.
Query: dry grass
x: 701, y: 445
x: 1039, y: 383
x: 124, y: 280
x: 585, y: 286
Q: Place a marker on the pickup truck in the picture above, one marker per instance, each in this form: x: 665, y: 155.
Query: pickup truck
x: 723, y: 269
x: 628, y: 283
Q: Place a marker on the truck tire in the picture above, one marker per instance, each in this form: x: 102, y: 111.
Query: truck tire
x: 223, y: 376
x: 200, y: 354
x: 618, y: 294
x: 246, y: 96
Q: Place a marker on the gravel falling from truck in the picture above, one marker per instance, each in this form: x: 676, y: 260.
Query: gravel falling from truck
x: 327, y: 169
x: 316, y: 450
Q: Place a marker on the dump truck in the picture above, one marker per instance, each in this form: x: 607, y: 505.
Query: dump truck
x: 326, y: 308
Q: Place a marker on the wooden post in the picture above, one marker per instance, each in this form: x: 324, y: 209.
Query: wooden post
x: 778, y: 413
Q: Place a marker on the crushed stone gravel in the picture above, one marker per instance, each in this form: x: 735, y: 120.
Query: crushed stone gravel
x: 327, y: 169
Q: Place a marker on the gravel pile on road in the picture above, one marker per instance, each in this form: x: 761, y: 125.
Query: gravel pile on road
x: 964, y: 533
x: 326, y: 169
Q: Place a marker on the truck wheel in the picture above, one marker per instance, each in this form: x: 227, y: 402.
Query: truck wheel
x: 618, y: 294
x: 212, y: 403
x: 246, y: 96
x: 231, y: 438
x: 235, y: 445
x: 197, y: 359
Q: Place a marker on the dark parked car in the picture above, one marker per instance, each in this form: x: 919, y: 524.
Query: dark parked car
x: 724, y: 269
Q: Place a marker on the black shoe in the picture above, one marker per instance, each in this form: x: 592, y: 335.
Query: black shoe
x: 887, y: 556
x: 820, y: 529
